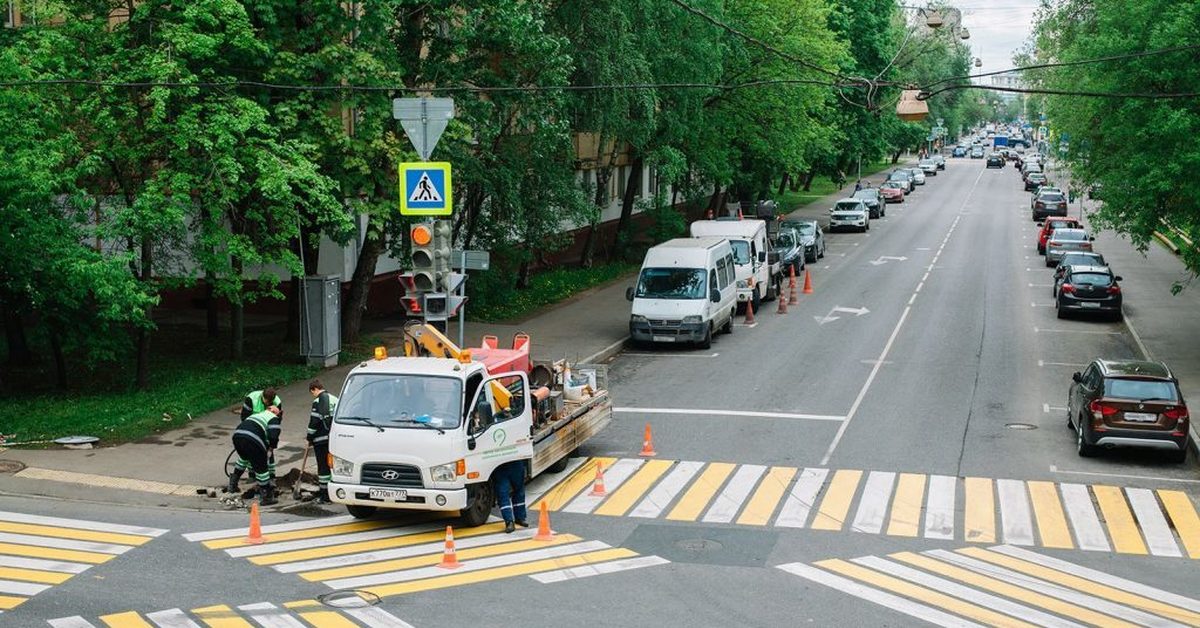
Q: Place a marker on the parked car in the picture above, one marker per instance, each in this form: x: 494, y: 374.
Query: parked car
x: 893, y: 191
x: 874, y: 200
x: 1050, y: 225
x: 686, y: 291
x: 1079, y: 258
x: 959, y: 151
x: 1034, y: 180
x: 789, y: 249
x: 940, y: 162
x: 1088, y: 289
x: 917, y: 175
x: 812, y: 237
x: 1128, y: 403
x: 904, y: 177
x: 850, y: 213
x: 1048, y: 201
x: 995, y: 160
x: 977, y: 152
x: 929, y: 167
x: 1064, y: 240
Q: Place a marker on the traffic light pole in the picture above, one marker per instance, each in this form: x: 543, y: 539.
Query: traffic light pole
x: 462, y: 291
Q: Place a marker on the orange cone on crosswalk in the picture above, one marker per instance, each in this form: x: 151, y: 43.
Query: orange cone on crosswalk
x: 544, y: 532
x: 648, y: 444
x: 449, y: 558
x: 255, y: 535
x: 598, y: 489
x: 793, y: 299
x: 808, y: 282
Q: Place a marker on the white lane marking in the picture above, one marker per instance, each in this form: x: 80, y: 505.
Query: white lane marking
x: 919, y: 286
x: 1041, y: 285
x: 80, y: 524
x: 801, y: 498
x: 725, y: 413
x: 1049, y: 408
x: 1150, y: 519
x: 912, y: 298
x: 727, y: 504
x: 360, y: 558
x: 1089, y: 533
x: 1038, y: 330
x: 614, y: 477
x: 1015, y: 515
x: 267, y: 615
x: 1074, y: 364
x: 21, y: 588
x: 925, y: 276
x: 584, y: 571
x: 45, y: 541
x: 922, y: 248
x: 376, y: 617
x: 1055, y: 469
x: 882, y: 598
x: 1100, y: 577
x: 704, y: 356
x: 939, y: 507
x: 172, y: 618
x: 665, y: 491
x: 278, y: 527
x: 42, y: 564
x: 873, y: 505
x: 70, y: 622
x: 1033, y: 304
x: 336, y: 539
x: 950, y: 587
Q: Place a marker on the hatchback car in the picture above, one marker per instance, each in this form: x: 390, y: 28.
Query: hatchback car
x: 1118, y: 403
x: 893, y: 191
x: 995, y: 160
x: 1048, y: 201
x: 790, y: 250
x: 939, y: 161
x: 929, y: 167
x: 1034, y: 180
x: 977, y: 152
x: 918, y: 176
x: 1074, y: 259
x: 1049, y: 226
x: 812, y: 238
x: 850, y: 213
x: 874, y: 200
x: 1088, y: 289
x: 959, y: 151
x: 1064, y: 241
x: 904, y: 177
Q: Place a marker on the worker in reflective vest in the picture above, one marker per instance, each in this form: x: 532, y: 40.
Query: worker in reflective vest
x: 254, y: 444
x: 255, y: 402
x: 319, y: 421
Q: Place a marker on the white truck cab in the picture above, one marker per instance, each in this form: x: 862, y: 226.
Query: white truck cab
x: 758, y: 277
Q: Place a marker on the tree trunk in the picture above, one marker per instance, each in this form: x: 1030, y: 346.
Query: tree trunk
x: 795, y: 183
x: 212, y: 314
x: 895, y: 157
x: 783, y: 181
x: 14, y: 334
x: 60, y: 362
x: 142, y: 377
x: 808, y: 180
x: 237, y: 317
x: 633, y: 189
x: 360, y: 286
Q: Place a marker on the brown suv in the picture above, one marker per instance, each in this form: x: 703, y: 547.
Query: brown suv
x: 1128, y: 404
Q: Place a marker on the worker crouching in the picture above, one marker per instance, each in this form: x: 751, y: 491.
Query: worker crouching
x: 255, y: 440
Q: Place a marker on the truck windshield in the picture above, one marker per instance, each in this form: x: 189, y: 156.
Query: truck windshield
x: 405, y: 401
x: 671, y: 283
x: 741, y: 251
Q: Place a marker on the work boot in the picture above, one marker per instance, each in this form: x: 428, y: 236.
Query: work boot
x: 323, y: 496
x: 508, y: 527
x: 267, y: 495
x: 234, y: 478
x: 522, y: 523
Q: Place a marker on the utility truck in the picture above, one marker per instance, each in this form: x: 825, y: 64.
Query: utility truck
x: 427, y: 430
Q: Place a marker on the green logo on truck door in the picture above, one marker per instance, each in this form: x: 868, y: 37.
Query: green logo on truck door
x: 499, y: 437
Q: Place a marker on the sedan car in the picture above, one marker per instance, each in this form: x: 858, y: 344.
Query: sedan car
x: 929, y: 167
x: 959, y: 151
x: 1127, y: 403
x: 893, y: 191
x: 995, y: 160
x: 790, y: 250
x: 977, y: 152
x: 1048, y: 201
x: 874, y: 200
x: 903, y: 177
x: 940, y: 161
x: 918, y: 176
x: 1065, y: 240
x: 812, y: 238
x: 1049, y: 226
x: 850, y: 213
x: 1034, y: 180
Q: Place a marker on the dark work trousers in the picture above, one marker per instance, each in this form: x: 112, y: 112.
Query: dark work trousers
x: 321, y: 450
x: 509, y: 480
x: 253, y: 454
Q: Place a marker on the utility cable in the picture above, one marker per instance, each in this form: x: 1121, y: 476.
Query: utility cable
x: 1065, y: 64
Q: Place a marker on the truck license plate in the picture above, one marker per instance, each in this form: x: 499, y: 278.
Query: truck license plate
x: 1141, y: 417
x: 387, y: 493
x: 664, y: 339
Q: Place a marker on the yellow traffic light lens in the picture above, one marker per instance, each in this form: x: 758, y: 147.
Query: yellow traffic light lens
x: 421, y: 235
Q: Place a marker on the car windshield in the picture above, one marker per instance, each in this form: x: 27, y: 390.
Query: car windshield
x: 1073, y: 235
x: 784, y: 241
x: 865, y: 193
x: 847, y: 207
x: 1053, y: 197
x: 892, y: 185
x: 671, y: 283
x: 1101, y: 280
x: 1037, y: 177
x: 898, y: 176
x: 1083, y: 259
x: 741, y: 251
x: 927, y: 162
x: 1141, y: 389
x: 403, y: 401
x: 806, y: 228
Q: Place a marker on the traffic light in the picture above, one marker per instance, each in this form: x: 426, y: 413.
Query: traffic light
x: 451, y: 284
x: 424, y: 261
x: 411, y: 299
x: 435, y: 307
x: 441, y: 252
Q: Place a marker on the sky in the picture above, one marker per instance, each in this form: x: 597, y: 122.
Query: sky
x: 998, y: 28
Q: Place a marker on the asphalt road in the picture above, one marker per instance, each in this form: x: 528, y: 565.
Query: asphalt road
x: 910, y: 408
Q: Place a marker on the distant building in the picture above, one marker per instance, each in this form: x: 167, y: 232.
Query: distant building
x: 1008, y: 80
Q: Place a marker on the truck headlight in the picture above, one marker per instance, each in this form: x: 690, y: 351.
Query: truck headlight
x: 742, y: 284
x: 442, y: 473
x: 637, y: 319
x: 691, y: 320
x: 340, y: 466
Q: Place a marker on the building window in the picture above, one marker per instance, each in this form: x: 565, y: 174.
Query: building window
x: 652, y: 181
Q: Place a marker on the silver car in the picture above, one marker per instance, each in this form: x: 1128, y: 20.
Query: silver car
x: 918, y: 176
x: 1066, y: 241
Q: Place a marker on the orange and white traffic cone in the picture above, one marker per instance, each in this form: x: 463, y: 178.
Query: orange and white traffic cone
x: 255, y: 535
x: 648, y: 444
x: 544, y: 532
x: 808, y: 282
x: 782, y: 309
x: 449, y: 558
x: 749, y: 311
x: 598, y: 489
x: 793, y: 299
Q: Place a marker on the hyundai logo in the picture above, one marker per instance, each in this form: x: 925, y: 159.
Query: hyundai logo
x: 390, y: 474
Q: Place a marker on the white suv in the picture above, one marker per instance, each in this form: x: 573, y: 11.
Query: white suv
x: 850, y: 213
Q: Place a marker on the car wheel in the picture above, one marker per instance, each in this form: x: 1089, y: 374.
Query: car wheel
x: 1081, y: 447
x: 480, y: 499
x: 708, y: 334
x: 728, y: 327
x: 1058, y: 310
x: 1049, y: 263
x: 1117, y: 316
x: 1178, y: 457
x: 756, y: 300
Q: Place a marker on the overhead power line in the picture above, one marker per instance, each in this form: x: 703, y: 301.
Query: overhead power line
x: 1065, y: 64
x: 1062, y: 92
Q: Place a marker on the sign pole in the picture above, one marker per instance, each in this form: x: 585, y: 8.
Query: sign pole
x: 462, y: 291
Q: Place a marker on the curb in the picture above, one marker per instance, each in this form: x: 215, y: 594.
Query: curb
x: 1166, y: 242
x: 607, y: 352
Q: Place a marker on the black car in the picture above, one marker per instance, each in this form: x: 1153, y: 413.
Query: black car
x: 790, y: 249
x: 874, y: 200
x: 1034, y: 180
x: 995, y: 160
x: 1049, y: 202
x: 1088, y: 289
x: 1074, y: 258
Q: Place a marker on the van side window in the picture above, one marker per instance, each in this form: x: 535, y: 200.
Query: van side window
x: 730, y: 273
x: 712, y: 280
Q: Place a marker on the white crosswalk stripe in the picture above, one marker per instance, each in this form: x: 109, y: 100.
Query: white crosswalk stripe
x: 939, y: 509
x: 800, y: 499
x: 1089, y: 533
x: 614, y: 477
x: 1015, y: 516
x: 872, y: 508
x: 725, y: 507
x: 1154, y: 525
x: 666, y: 491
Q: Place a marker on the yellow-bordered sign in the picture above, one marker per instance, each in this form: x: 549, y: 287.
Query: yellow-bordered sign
x: 426, y: 189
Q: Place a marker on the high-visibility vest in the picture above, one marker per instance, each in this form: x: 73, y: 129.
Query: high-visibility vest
x: 256, y: 398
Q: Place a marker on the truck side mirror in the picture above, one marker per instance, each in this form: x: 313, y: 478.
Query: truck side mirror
x: 471, y: 443
x: 714, y: 296
x: 629, y: 293
x: 762, y: 256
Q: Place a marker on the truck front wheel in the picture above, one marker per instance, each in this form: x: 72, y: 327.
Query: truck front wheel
x: 361, y: 512
x: 480, y: 500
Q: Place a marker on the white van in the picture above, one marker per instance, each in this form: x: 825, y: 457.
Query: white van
x: 686, y: 290
x: 758, y: 276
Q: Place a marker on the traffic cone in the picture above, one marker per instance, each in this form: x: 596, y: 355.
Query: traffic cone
x: 808, y: 282
x: 749, y: 311
x: 255, y: 536
x: 449, y: 558
x: 793, y: 298
x: 782, y: 309
x: 598, y: 485
x: 648, y: 444
x: 544, y: 532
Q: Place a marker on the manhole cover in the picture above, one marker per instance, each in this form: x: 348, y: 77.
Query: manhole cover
x: 1020, y: 426
x: 10, y: 466
x: 698, y: 545
x: 349, y: 598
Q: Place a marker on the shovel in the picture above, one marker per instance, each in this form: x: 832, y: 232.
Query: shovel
x: 299, y: 478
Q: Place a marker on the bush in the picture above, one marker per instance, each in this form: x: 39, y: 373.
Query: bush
x: 495, y: 297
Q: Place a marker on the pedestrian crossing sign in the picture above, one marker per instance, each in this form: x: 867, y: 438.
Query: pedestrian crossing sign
x: 426, y: 189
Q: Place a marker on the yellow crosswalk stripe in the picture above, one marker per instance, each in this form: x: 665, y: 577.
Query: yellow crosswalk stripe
x: 318, y: 616
x: 1183, y: 518
x: 906, y: 505
x: 34, y: 575
x: 310, y: 533
x: 366, y: 546
x: 566, y: 490
x: 53, y: 553
x: 764, y: 501
x: 632, y: 490
x: 433, y: 559
x: 920, y: 593
x: 508, y: 571
x: 832, y: 513
x: 1084, y: 585
x: 1027, y: 596
x: 701, y: 492
x: 1121, y: 526
x: 72, y: 533
x: 220, y: 616
x: 979, y: 513
x: 9, y: 602
x: 125, y: 620
x: 1051, y: 521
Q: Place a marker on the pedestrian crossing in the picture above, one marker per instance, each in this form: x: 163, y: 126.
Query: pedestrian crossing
x: 303, y: 614
x: 38, y: 552
x: 1003, y: 585
x: 1095, y: 517
x: 386, y: 558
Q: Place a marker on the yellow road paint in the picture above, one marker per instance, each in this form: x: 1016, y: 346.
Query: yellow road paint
x: 125, y: 620
x: 1121, y: 527
x: 1025, y: 596
x: 1183, y: 518
x: 72, y: 533
x: 8, y: 602
x: 310, y: 533
x: 496, y: 573
x: 764, y: 501
x: 566, y: 490
x: 34, y: 575
x: 327, y: 619
x: 433, y: 559
x: 1084, y: 585
x: 979, y: 513
x: 906, y: 505
x: 701, y: 492
x: 1051, y: 521
x: 921, y: 594
x: 51, y: 553
x: 220, y: 616
x: 367, y: 546
x: 632, y: 490
x: 835, y: 505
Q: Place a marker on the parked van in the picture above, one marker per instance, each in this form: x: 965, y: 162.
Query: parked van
x: 686, y: 291
x: 758, y: 275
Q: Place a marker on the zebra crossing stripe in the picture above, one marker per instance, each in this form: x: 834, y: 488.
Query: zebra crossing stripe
x: 623, y: 499
x: 979, y: 516
x: 70, y: 622
x: 339, y: 539
x: 762, y: 504
x: 586, y: 571
x: 801, y: 498
x: 614, y: 477
x: 1089, y: 533
x: 906, y: 506
x: 1121, y: 526
x: 376, y: 617
x: 656, y: 501
x: 335, y: 563
x: 725, y: 506
x: 125, y: 620
x: 220, y: 616
x: 1151, y: 521
x: 1014, y: 512
x: 872, y: 506
x: 702, y: 490
x: 344, y: 549
x: 268, y: 615
x: 173, y: 618
x: 270, y: 529
x: 81, y: 524
x: 838, y: 497
x: 939, y: 511
x: 1048, y: 512
x: 1184, y: 519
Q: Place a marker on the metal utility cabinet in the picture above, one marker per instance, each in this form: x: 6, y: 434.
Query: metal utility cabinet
x: 320, y: 319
